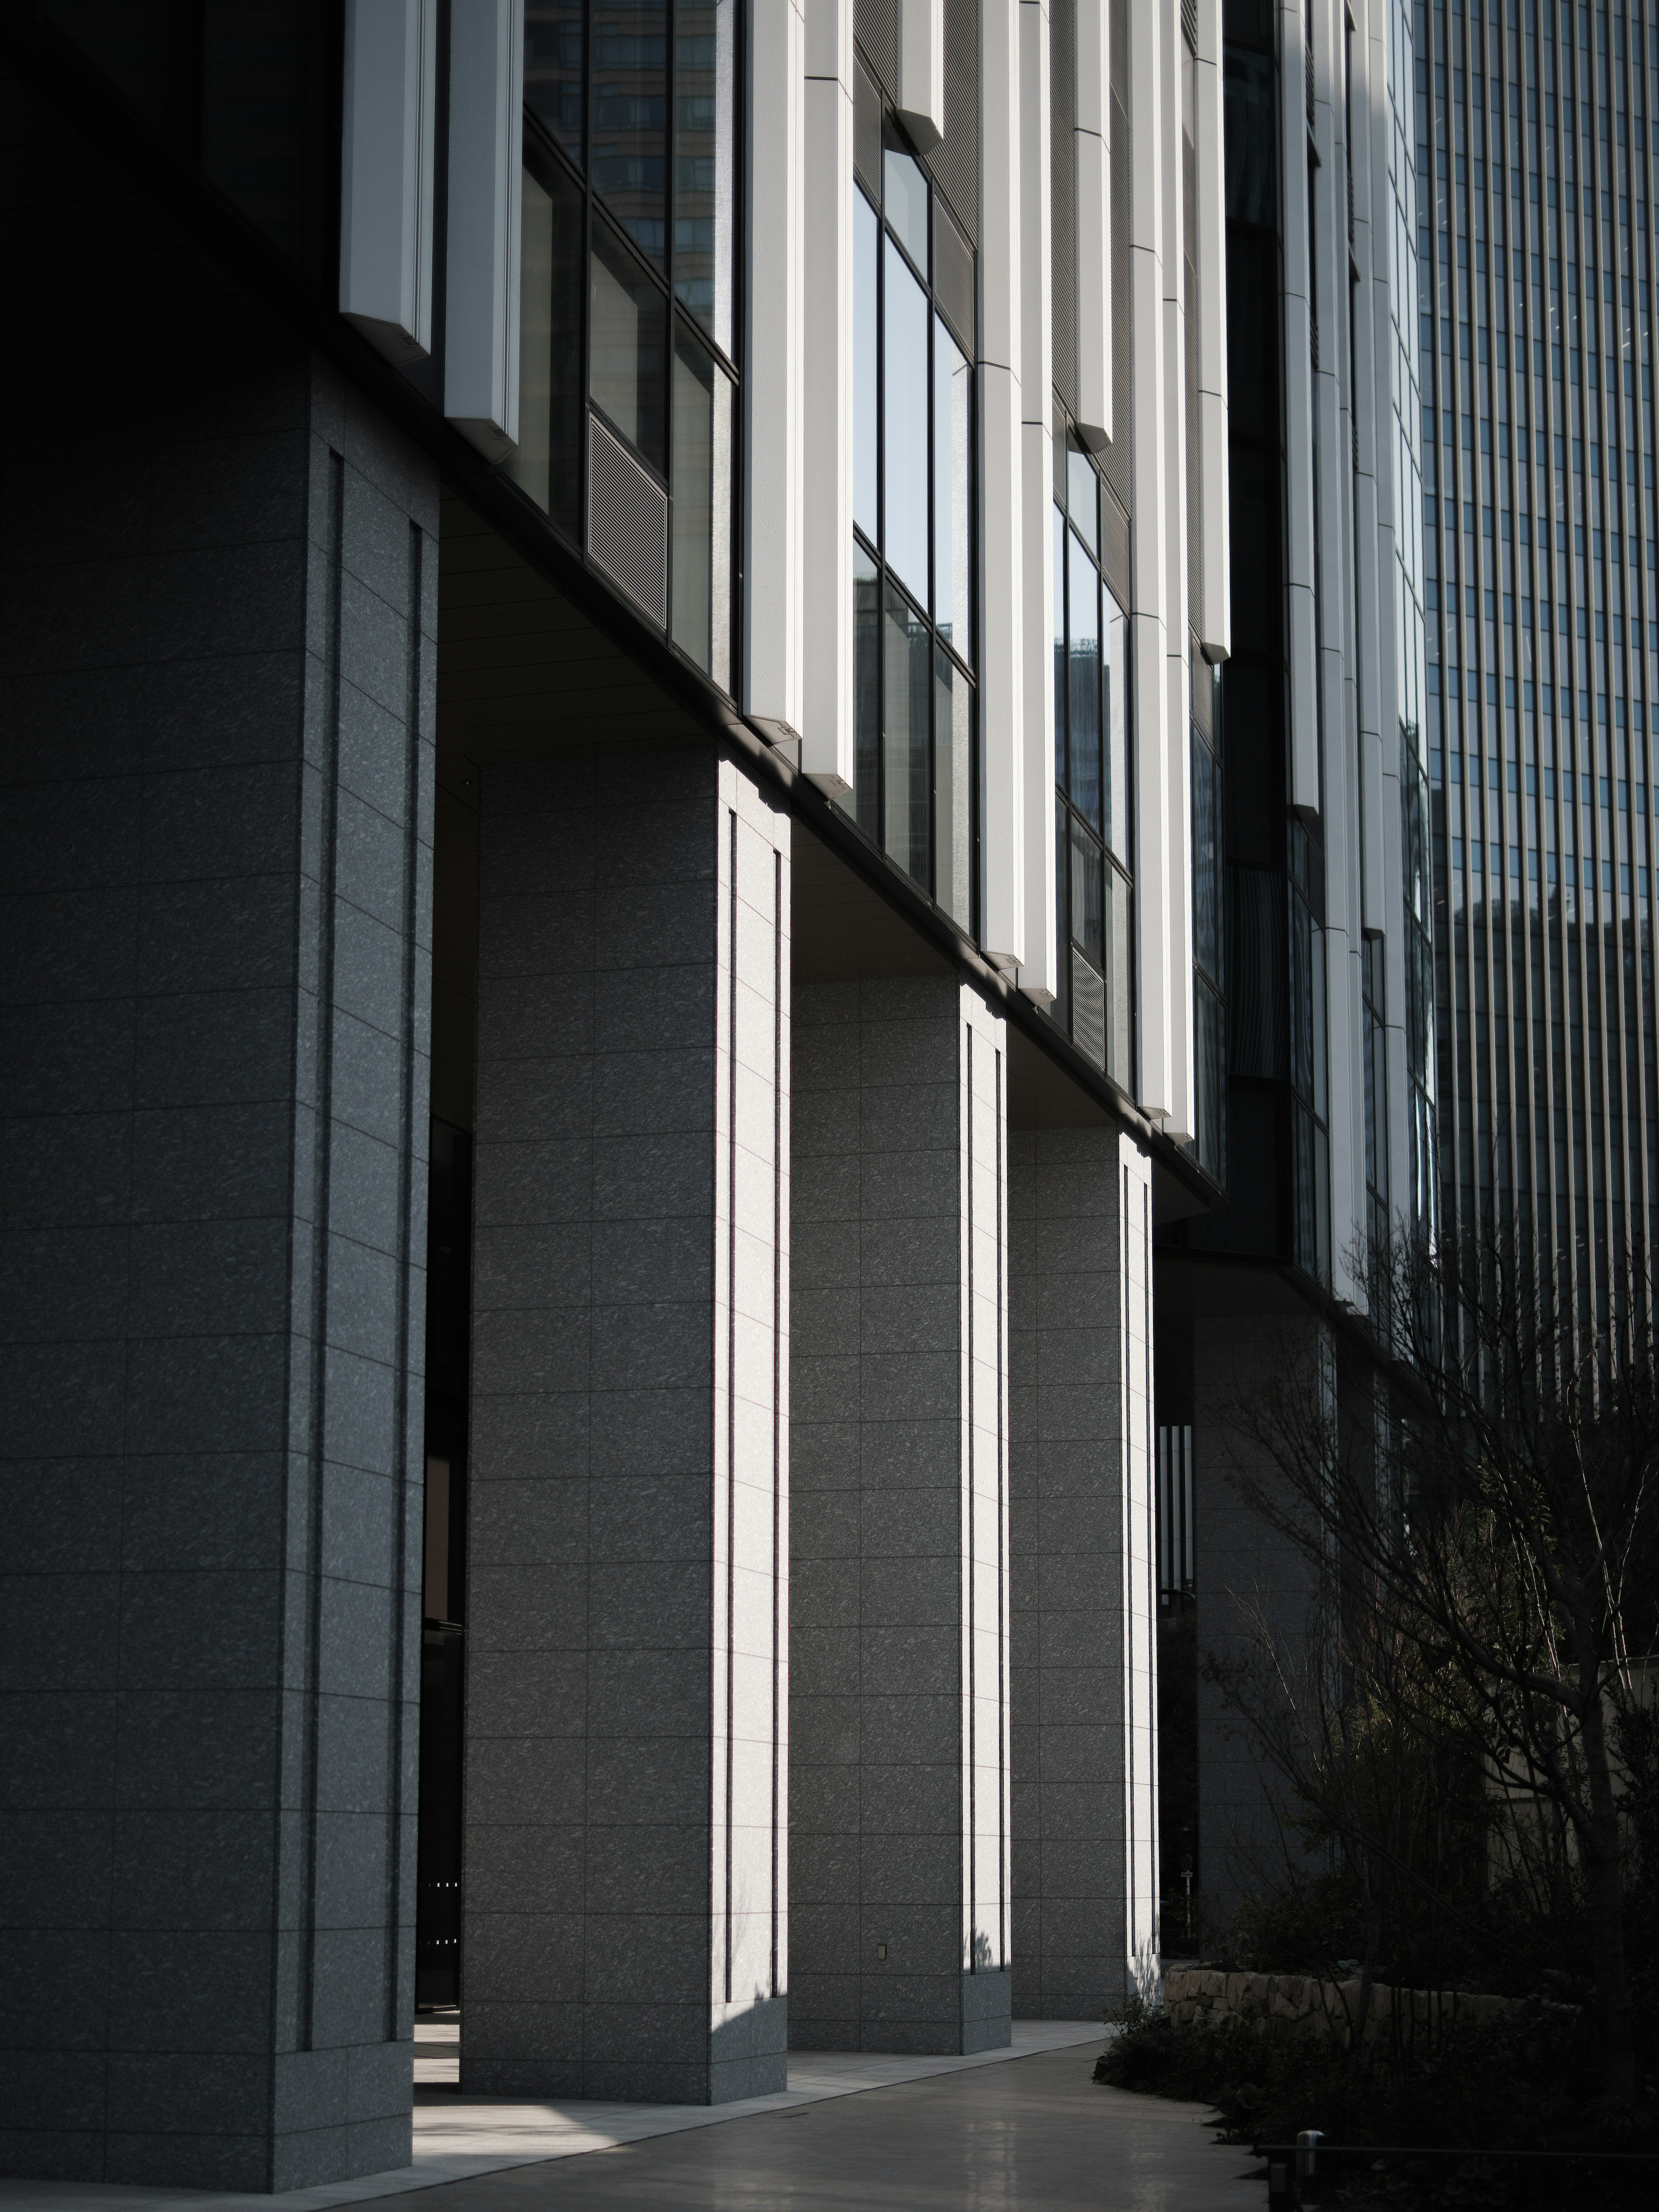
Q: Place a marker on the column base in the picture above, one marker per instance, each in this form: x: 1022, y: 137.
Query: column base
x: 983, y: 2019
x: 742, y: 2052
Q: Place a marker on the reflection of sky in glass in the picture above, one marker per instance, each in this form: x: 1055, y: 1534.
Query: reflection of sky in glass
x: 952, y: 461
x: 904, y: 382
x: 904, y: 202
x: 866, y: 246
x: 1082, y: 496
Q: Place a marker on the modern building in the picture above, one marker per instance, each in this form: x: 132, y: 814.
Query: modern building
x: 1326, y: 1143
x: 1535, y: 152
x: 610, y: 732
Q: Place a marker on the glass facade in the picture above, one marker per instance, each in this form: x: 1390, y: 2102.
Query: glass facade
x: 1093, y: 815
x: 916, y: 785
x: 1534, y: 135
x: 629, y: 280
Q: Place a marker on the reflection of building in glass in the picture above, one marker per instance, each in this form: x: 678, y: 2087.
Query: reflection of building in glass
x: 1535, y: 242
x: 1319, y: 937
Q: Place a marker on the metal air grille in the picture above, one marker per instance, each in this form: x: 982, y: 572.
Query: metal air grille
x: 955, y: 161
x: 1062, y: 121
x: 875, y: 26
x: 1088, y: 1010
x: 866, y: 131
x: 1116, y: 560
x: 627, y: 522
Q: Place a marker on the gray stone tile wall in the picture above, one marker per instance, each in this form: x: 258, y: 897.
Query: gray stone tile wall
x: 625, y: 1871
x: 898, y: 1557
x: 1083, y: 1606
x: 217, y: 616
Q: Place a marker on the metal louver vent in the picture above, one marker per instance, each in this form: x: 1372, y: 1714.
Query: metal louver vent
x: 875, y: 26
x: 627, y: 522
x: 1088, y: 1010
x: 955, y: 161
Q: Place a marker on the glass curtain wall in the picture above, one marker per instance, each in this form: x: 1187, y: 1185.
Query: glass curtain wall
x: 915, y: 784
x: 630, y: 271
x: 1093, y: 817
x: 1535, y: 139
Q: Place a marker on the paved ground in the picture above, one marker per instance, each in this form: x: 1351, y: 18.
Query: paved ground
x: 1033, y: 2133
x: 1023, y: 2127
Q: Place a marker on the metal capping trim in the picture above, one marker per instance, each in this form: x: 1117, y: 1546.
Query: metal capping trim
x: 627, y: 522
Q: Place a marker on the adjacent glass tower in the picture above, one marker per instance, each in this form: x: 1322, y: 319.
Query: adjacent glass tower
x: 1534, y: 242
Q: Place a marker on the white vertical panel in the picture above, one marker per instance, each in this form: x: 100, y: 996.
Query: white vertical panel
x: 921, y: 86
x: 1179, y: 1115
x: 772, y: 370
x: 1212, y: 618
x: 389, y: 101
x: 1002, y: 584
x: 1091, y: 156
x: 1038, y: 974
x: 481, y: 255
x: 827, y: 427
x: 1155, y: 892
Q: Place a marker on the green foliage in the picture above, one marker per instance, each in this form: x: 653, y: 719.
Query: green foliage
x: 1529, y: 2081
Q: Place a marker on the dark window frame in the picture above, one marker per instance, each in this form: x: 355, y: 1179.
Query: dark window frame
x: 542, y: 152
x: 869, y: 808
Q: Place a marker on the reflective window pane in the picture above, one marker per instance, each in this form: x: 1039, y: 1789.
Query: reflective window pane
x: 629, y: 145
x: 705, y: 162
x: 866, y: 399
x: 1060, y: 776
x: 553, y: 70
x: 546, y: 463
x: 1120, y: 957
x: 702, y: 511
x: 904, y: 201
x: 628, y: 338
x: 1083, y: 497
x: 1088, y: 895
x: 866, y: 681
x: 1083, y: 685
x: 1119, y: 805
x: 953, y: 790
x: 904, y: 394
x: 907, y: 778
x: 952, y: 479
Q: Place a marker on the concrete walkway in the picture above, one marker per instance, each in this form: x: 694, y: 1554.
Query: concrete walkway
x: 1025, y: 2127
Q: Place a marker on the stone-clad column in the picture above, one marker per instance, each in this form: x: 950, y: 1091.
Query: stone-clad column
x: 215, y: 723
x: 1084, y: 1605
x: 898, y: 1767
x: 625, y: 1876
